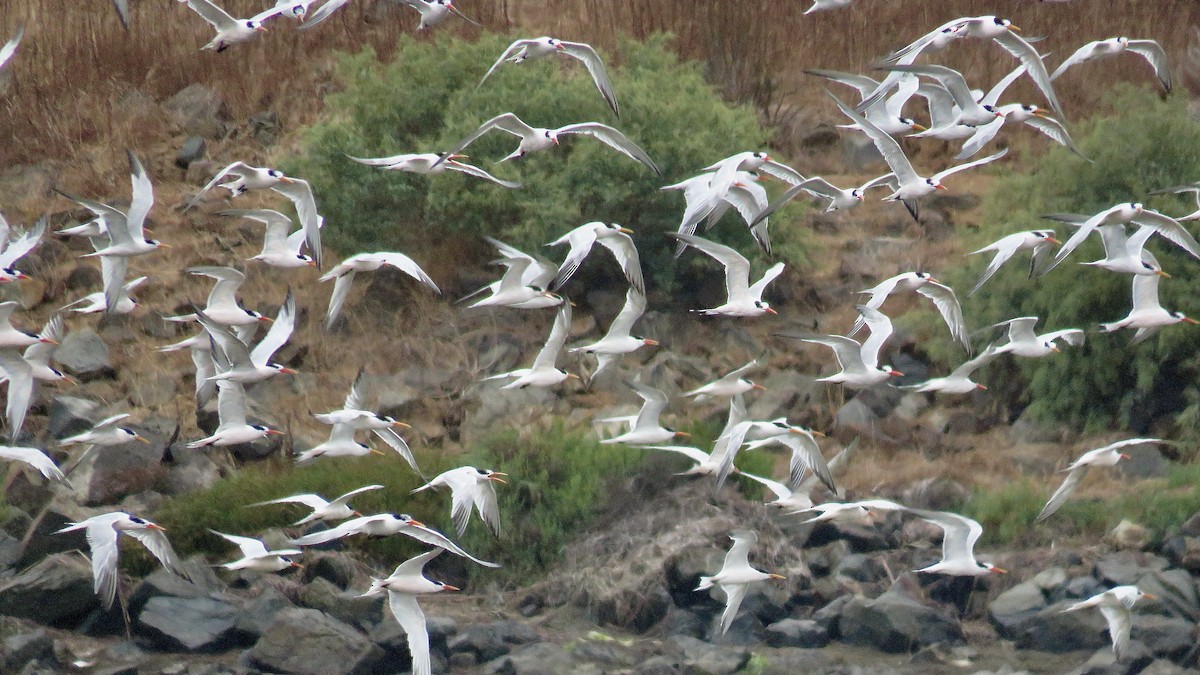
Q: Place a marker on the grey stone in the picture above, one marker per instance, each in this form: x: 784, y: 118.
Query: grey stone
x: 265, y: 127
x: 602, y: 650
x: 1082, y: 587
x: 638, y: 609
x: 1165, y: 636
x: 683, y: 622
x: 894, y: 622
x: 658, y: 665
x: 349, y: 607
x: 152, y: 324
x: 84, y: 355
x: 701, y: 657
x: 829, y: 617
x: 191, y: 151
x: 201, y: 582
x: 22, y: 648
x: 199, y: 110
x: 110, y: 472
x: 188, y: 470
x: 1145, y: 461
x: 70, y: 415
x: 936, y: 494
x: 1052, y: 630
x: 391, y: 637
x: 534, y: 659
x: 42, y: 538
x: 745, y: 629
x: 192, y: 624
x: 259, y: 613
x: 797, y: 633
x: 860, y: 567
x: 1050, y: 579
x: 150, y: 389
x: 307, y: 641
x: 492, y: 640
x: 1128, y: 536
x: 857, y: 416
x: 684, y: 569
x: 84, y: 277
x: 1126, y: 567
x: 57, y: 592
x: 1013, y: 607
x: 336, y: 568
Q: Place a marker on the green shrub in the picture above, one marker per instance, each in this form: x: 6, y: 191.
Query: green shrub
x: 426, y: 100
x: 1145, y: 143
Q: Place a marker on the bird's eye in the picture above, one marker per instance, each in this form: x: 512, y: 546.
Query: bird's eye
x: 1000, y: 22
x: 301, y: 257
x: 137, y: 520
x: 248, y: 312
x: 250, y: 25
x: 1147, y: 265
x: 547, y: 134
x: 151, y: 242
x: 781, y: 425
x: 758, y: 303
x: 273, y: 173
x: 760, y: 155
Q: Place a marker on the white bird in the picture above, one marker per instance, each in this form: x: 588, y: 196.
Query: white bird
x: 1013, y: 113
x: 887, y: 115
x: 528, y: 49
x: 752, y: 161
x: 434, y: 12
x: 35, y: 458
x: 297, y: 9
x: 231, y: 31
x: 543, y: 372
x: 1131, y: 212
x: 104, y: 531
x: 959, y: 380
x: 1124, y: 255
x: 233, y: 428
x: 341, y: 443
x: 354, y: 413
x: 13, y: 249
x: 1147, y: 315
x: 128, y: 237
x: 279, y: 249
x: 646, y: 428
x: 860, y: 363
x: 534, y: 139
x: 1116, y: 605
x: 730, y: 384
x: 222, y: 304
x: 15, y: 338
x: 470, y: 487
x: 924, y: 284
x: 848, y: 512
x: 742, y: 298
x: 1022, y: 341
x: 799, y: 498
x: 735, y: 574
x: 909, y: 184
x: 1193, y: 188
x: 10, y: 47
x: 343, y: 276
x: 824, y: 5
x: 300, y: 193
x: 1109, y: 455
x: 428, y: 164
x: 959, y: 534
x: 337, y: 509
x: 386, y: 525
x: 739, y: 433
x: 1037, y: 241
x: 94, y: 303
x: 612, y: 237
x: 523, y: 284
x: 105, y: 432
x: 805, y: 456
x: 618, y: 340
x: 20, y: 389
x: 1104, y: 49
x: 405, y: 583
x: 236, y: 362
x: 1120, y: 254
x: 971, y: 113
x: 838, y: 199
x: 245, y: 179
x: 715, y: 463
x: 256, y: 557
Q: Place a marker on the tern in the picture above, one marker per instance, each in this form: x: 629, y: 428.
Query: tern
x: 959, y: 534
x: 1037, y: 241
x: 1121, y: 214
x: 13, y: 248
x: 740, y: 432
x: 524, y: 283
x: 222, y: 305
x: 337, y: 509
x: 433, y: 12
x: 1116, y: 604
x: 839, y: 199
x: 341, y: 443
x: 428, y: 164
x: 805, y: 456
x: 10, y: 47
x: 543, y: 372
x: 971, y: 113
x: 245, y: 179
x: 402, y: 587
x: 386, y: 525
x: 618, y: 340
x: 646, y: 429
x: 534, y: 139
x: 730, y: 384
x: 924, y: 284
x: 1104, y: 49
x: 15, y: 338
x: 798, y: 498
x: 753, y: 161
x: 238, y: 363
x: 609, y: 235
x: 860, y: 363
x: 233, y: 429
x: 19, y: 374
x: 735, y: 574
x: 354, y: 414
x: 1109, y: 455
x: 1124, y: 255
x: 888, y: 115
x: 707, y: 196
x: 256, y: 557
x: 103, y: 533
x: 742, y: 298
x: 849, y: 512
x: 299, y: 192
x: 1147, y: 315
x: 470, y: 487
x: 128, y: 237
x: 824, y: 5
x: 1193, y: 188
x: 959, y: 380
x: 231, y: 31
x: 909, y: 184
x: 716, y: 463
x: 39, y: 354
x: 343, y: 276
x: 528, y: 49
x: 105, y: 432
x: 35, y: 458
x: 1022, y: 341
x: 1015, y: 112
x: 280, y: 249
x: 94, y: 303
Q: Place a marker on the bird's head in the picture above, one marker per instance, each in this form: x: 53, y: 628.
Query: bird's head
x: 255, y: 26
x: 266, y: 430
x: 1153, y: 268
x: 1050, y: 346
x: 892, y: 372
x: 257, y: 317
x: 131, y: 435
x: 496, y: 476
x: 60, y: 376
x: 1046, y: 235
x: 990, y: 568
x: 15, y: 273
x: 307, y: 260
x: 924, y: 276
x: 1005, y: 23
x: 1137, y: 207
x: 156, y: 243
x: 912, y: 124
x: 393, y: 422
x: 645, y: 341
x: 679, y: 434
x: 1186, y: 319
x: 292, y: 563
x: 282, y: 370
x: 616, y: 227
x: 761, y: 156
x: 556, y: 43
x: 39, y: 338
x: 857, y: 194
x: 1122, y: 40
x: 551, y: 135
x: 992, y: 109
x: 765, y: 307
x: 935, y: 184
x: 445, y: 587
x: 408, y: 520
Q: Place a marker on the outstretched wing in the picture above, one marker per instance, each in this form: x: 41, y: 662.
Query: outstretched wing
x: 595, y: 67
x: 613, y: 139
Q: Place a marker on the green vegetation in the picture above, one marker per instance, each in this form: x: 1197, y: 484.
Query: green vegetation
x: 1142, y: 144
x: 426, y: 100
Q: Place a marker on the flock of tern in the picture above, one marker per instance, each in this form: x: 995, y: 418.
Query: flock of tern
x: 227, y: 357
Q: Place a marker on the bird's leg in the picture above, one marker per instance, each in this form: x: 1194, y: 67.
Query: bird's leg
x: 124, y: 601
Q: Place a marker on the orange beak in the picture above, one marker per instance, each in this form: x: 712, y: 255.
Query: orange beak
x: 152, y: 526
x: 416, y: 523
x: 141, y: 439
x: 918, y: 127
x: 1052, y: 240
x: 311, y: 263
x: 771, y: 311
x: 1148, y: 596
x: 896, y: 373
x: 23, y: 277
x: 497, y: 479
x: 377, y: 452
x: 780, y: 577
x: 275, y: 432
x: 357, y: 514
x: 1188, y: 319
x: 682, y: 434
x: 448, y: 587
x: 266, y: 319
x: 402, y: 425
x: 941, y: 187
x: 1124, y: 456
x: 296, y: 564
x: 1162, y: 274
x: 980, y: 387
x: 650, y: 343
x: 261, y: 29
x: 997, y: 570
x: 289, y: 371
x: 754, y: 385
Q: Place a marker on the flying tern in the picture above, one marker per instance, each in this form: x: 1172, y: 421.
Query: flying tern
x: 924, y: 284
x: 1037, y: 241
x: 646, y: 428
x: 959, y: 534
x: 609, y: 235
x: 103, y: 533
x: 860, y: 363
x: 1109, y: 455
x: 343, y: 276
x: 887, y: 114
x: 1022, y: 341
x: 34, y: 458
x: 735, y: 574
x: 742, y: 297
x: 470, y: 487
x: 1147, y: 315
x: 543, y: 372
x: 1025, y: 113
x: 245, y: 179
x: 233, y: 429
x: 231, y: 31
x: 127, y: 236
x: 105, y: 432
x: 959, y: 380
x: 354, y: 413
x: 524, y: 50
x: 341, y: 443
x: 15, y: 338
x: 730, y: 384
x: 1132, y: 212
x: 429, y: 164
x: 523, y: 284
x: 386, y: 525
x: 337, y: 509
x: 1193, y: 188
x: 797, y: 496
x: 300, y: 193
x: 279, y: 249
x: 805, y: 456
x: 971, y: 113
x: 838, y: 199
x: 256, y: 557
x: 222, y: 305
x: 1104, y: 49
x: 13, y: 248
x: 618, y: 340
x: 1116, y: 605
x: 740, y: 432
x: 236, y: 362
x: 402, y: 587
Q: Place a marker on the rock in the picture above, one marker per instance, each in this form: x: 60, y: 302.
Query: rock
x: 682, y: 622
x: 265, y: 127
x: 336, y: 568
x: 535, y: 659
x: 1082, y: 587
x: 797, y: 633
x: 152, y: 324
x: 602, y: 649
x: 150, y: 390
x: 658, y: 665
x: 84, y: 277
x: 389, y: 635
x: 1128, y: 536
x: 701, y: 657
x: 258, y: 614
x: 635, y: 608
x: 1050, y: 579
x: 70, y: 415
x: 936, y: 494
x: 829, y: 617
x: 894, y: 622
x: 199, y: 110
x: 41, y: 537
x: 1126, y: 567
x: 1052, y: 630
x: 857, y: 416
x: 308, y: 641
x: 110, y: 472
x: 192, y: 150
x: 860, y: 567
x: 492, y: 640
x: 1028, y: 430
x: 1165, y: 636
x: 348, y: 607
x: 1191, y: 526
x: 1184, y: 552
x: 1145, y: 461
x: 1013, y: 607
x: 188, y: 470
x: 746, y: 629
x: 56, y: 591
x: 192, y: 624
x: 859, y: 153
x: 35, y: 645
x: 684, y: 569
x: 202, y: 582
x: 84, y: 355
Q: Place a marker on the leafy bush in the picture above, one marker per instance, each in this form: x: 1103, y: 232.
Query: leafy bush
x: 1143, y: 144
x: 426, y: 100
